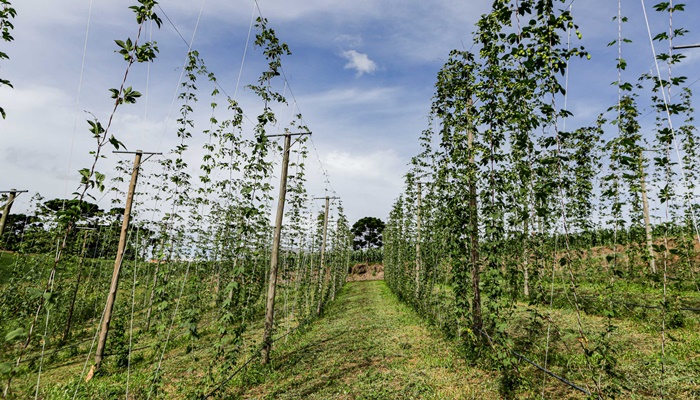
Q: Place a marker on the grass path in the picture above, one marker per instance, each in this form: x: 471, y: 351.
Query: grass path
x: 368, y: 345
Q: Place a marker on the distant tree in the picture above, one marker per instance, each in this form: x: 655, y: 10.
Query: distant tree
x: 117, y: 212
x: 56, y: 213
x: 14, y: 230
x: 368, y: 233
x: 64, y: 209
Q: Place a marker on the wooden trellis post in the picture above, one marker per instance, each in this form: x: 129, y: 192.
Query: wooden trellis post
x: 10, y: 199
x: 272, y: 284
x: 112, y: 296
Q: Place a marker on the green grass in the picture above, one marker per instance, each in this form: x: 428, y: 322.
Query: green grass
x: 635, y: 342
x: 368, y: 345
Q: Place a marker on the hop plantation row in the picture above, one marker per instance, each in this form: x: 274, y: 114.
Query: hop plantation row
x: 195, y: 268
x: 563, y: 260
x: 566, y: 260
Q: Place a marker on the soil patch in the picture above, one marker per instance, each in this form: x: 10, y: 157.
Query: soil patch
x: 366, y: 272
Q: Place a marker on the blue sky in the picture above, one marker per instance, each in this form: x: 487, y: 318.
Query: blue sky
x: 362, y: 73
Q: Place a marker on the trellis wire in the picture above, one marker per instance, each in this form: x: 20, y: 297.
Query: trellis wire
x: 131, y: 320
x: 543, y: 369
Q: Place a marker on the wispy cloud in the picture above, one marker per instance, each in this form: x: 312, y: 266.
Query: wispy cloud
x: 375, y: 175
x: 349, y: 40
x: 342, y: 97
x: 360, y: 62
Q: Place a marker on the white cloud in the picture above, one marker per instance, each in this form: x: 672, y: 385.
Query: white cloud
x: 367, y: 181
x: 360, y: 62
x: 280, y: 10
x: 350, y: 120
x: 377, y: 166
x: 692, y: 58
x: 352, y: 96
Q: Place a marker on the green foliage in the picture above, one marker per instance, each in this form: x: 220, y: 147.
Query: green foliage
x: 7, y: 14
x: 208, y: 243
x: 368, y: 233
x: 513, y: 221
x: 513, y: 236
x: 90, y: 178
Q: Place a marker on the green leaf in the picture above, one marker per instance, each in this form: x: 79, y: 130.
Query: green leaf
x: 14, y: 334
x: 116, y: 143
x: 662, y: 6
x: 6, y: 368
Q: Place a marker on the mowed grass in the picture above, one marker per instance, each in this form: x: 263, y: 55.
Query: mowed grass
x: 368, y: 345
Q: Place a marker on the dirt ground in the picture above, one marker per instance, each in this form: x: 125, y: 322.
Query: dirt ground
x: 366, y: 272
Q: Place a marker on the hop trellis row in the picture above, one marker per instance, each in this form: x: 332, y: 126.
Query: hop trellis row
x: 535, y: 269
x: 195, y: 263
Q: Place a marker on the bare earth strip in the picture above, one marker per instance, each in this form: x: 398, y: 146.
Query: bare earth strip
x: 368, y: 345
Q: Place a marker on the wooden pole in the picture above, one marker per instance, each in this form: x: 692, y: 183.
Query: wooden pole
x: 335, y: 270
x: 272, y: 284
x: 8, y: 206
x: 418, y: 240
x: 323, y: 253
x: 112, y: 296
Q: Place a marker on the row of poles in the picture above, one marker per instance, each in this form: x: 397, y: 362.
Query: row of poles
x: 274, y: 259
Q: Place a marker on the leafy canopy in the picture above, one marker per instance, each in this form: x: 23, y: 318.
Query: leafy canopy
x: 368, y: 233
